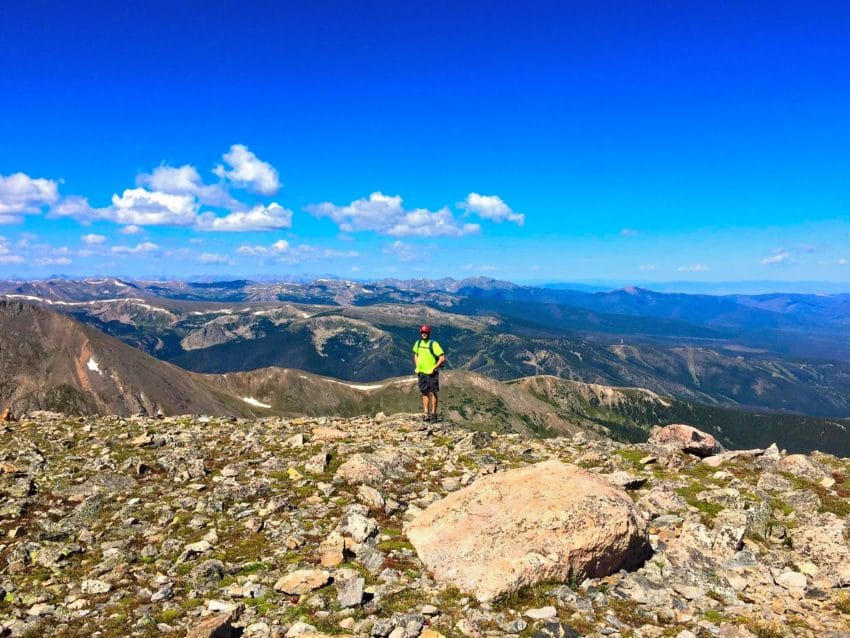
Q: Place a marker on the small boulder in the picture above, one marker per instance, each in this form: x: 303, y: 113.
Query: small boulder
x: 374, y: 468
x: 791, y: 580
x: 316, y: 464
x: 215, y: 626
x: 302, y: 581
x: 356, y: 524
x: 515, y: 528
x: 686, y: 438
x: 350, y: 591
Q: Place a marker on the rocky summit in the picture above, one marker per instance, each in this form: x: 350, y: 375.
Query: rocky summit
x: 392, y: 527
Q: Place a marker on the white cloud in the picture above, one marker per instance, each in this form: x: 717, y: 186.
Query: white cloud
x: 143, y: 247
x: 93, y: 239
x: 20, y: 194
x: 693, y: 268
x: 77, y: 208
x: 491, y: 207
x: 132, y: 229
x: 402, y: 251
x: 152, y: 208
x: 385, y: 214
x: 185, y: 180
x: 424, y: 223
x: 247, y: 171
x: 168, y: 179
x: 778, y: 257
x: 271, y: 217
x: 213, y: 258
x: 842, y: 262
x: 280, y: 246
x: 647, y: 267
x: 629, y: 232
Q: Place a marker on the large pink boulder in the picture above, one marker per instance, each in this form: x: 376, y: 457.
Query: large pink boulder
x: 687, y: 438
x: 549, y: 521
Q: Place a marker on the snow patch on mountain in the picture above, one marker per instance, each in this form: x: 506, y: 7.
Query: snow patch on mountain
x: 254, y: 402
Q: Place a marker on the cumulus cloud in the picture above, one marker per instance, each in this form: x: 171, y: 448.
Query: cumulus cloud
x: 21, y: 194
x: 132, y: 229
x: 77, y: 208
x: 693, y: 268
x: 280, y: 246
x: 185, y: 180
x: 167, y: 196
x: 248, y: 171
x: 779, y: 256
x: 271, y: 217
x: 142, y: 247
x: 386, y: 214
x: 152, y: 208
x: 491, y: 207
x: 93, y: 239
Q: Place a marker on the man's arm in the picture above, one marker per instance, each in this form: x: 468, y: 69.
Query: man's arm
x: 440, y: 361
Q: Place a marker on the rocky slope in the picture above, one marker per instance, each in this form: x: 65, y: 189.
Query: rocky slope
x: 47, y: 360
x: 286, y: 527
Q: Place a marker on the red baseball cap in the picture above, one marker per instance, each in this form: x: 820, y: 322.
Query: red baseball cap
x: 425, y: 329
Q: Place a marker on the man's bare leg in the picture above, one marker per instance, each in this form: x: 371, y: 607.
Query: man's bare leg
x: 425, y: 405
x: 434, y: 405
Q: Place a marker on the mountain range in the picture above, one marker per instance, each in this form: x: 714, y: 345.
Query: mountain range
x: 776, y: 352
x: 51, y: 361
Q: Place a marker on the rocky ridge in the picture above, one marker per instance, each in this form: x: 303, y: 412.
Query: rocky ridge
x: 206, y: 526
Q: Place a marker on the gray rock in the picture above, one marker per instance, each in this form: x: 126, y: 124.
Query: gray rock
x: 164, y: 593
x: 318, y: 463
x: 207, y: 575
x: 357, y: 524
x: 381, y: 628
x: 625, y: 480
x: 350, y: 591
x: 95, y: 587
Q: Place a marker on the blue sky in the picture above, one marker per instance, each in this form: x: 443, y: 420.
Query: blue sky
x: 544, y: 141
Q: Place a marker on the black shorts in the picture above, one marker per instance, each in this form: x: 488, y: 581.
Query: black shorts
x: 429, y: 383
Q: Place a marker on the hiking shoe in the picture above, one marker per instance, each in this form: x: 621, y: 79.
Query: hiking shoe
x: 434, y: 418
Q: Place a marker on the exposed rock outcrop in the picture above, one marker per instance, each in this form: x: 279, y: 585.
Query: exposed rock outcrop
x: 549, y: 521
x: 686, y: 438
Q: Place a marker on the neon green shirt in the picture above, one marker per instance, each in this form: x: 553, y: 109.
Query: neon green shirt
x: 425, y: 361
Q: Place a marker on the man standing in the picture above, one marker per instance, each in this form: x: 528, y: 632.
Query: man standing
x: 428, y: 357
